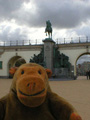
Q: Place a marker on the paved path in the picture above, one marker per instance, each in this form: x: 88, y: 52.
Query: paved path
x: 77, y: 92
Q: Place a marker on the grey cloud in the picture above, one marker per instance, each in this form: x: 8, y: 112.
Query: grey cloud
x: 8, y: 7
x: 68, y: 14
x: 63, y: 14
x: 83, y: 31
x: 8, y: 34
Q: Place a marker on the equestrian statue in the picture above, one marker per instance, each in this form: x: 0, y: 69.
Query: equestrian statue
x: 48, y: 29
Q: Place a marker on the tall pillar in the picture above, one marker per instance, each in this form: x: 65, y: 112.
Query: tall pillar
x: 48, y: 52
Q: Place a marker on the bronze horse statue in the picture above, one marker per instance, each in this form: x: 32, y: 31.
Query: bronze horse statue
x: 48, y: 28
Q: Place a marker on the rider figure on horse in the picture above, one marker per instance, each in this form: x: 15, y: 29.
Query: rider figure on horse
x: 48, y: 28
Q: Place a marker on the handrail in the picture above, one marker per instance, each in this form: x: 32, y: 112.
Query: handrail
x: 40, y: 42
x: 19, y: 43
x: 73, y: 40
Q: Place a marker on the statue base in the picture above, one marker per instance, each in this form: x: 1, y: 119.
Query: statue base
x: 48, y: 40
x: 48, y: 52
x: 61, y: 72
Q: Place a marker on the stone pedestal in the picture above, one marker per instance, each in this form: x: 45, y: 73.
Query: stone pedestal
x: 48, y: 52
x: 61, y: 72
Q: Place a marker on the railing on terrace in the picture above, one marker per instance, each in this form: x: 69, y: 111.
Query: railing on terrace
x: 72, y: 40
x: 20, y: 43
x: 40, y: 42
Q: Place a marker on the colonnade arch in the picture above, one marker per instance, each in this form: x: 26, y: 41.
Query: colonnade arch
x: 86, y: 53
x: 13, y: 60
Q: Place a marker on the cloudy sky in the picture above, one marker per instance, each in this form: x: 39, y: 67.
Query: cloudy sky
x: 26, y: 19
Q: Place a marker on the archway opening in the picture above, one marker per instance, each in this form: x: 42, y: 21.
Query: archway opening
x: 83, y: 64
x: 15, y: 61
x: 19, y: 62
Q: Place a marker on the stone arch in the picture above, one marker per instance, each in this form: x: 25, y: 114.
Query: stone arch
x: 86, y: 53
x: 13, y: 60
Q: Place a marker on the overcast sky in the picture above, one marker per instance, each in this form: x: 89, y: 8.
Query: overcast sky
x: 26, y: 19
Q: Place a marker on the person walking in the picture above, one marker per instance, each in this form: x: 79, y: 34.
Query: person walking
x: 87, y: 74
